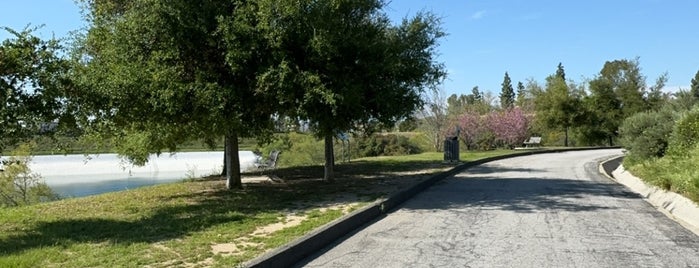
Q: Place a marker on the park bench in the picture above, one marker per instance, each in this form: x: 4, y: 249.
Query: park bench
x: 532, y: 141
x: 270, y: 162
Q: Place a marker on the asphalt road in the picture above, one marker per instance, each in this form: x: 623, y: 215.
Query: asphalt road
x: 548, y: 210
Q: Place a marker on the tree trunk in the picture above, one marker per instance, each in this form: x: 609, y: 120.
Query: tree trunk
x: 565, y: 143
x: 329, y: 159
x: 223, y: 172
x: 610, y: 141
x: 232, y: 165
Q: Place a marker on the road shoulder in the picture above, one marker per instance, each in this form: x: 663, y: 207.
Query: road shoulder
x: 675, y: 206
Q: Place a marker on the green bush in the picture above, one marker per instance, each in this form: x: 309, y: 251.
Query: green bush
x: 408, y: 125
x: 297, y: 149
x: 300, y: 149
x: 421, y: 140
x: 18, y: 185
x: 385, y: 144
x: 645, y: 135
x: 674, y: 173
x: 685, y: 133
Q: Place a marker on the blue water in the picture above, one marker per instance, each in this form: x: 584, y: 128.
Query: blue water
x: 99, y: 187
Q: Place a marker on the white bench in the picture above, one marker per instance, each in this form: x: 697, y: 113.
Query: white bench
x: 533, y: 141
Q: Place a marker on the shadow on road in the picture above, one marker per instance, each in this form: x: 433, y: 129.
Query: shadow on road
x: 522, y: 195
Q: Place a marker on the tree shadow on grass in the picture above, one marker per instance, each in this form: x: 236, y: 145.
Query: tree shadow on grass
x: 201, y: 211
x: 358, y: 168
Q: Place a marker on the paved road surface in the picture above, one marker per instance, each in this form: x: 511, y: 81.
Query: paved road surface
x: 550, y: 210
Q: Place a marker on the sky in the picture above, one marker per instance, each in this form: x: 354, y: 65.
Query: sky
x: 486, y: 38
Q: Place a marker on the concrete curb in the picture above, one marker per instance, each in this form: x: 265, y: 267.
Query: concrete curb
x: 318, y: 239
x: 675, y: 206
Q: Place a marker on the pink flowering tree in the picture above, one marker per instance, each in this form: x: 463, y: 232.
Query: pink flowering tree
x: 507, y: 128
x: 510, y: 126
x: 474, y: 131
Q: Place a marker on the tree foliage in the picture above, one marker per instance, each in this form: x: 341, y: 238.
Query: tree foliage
x: 457, y: 104
x: 507, y: 94
x: 619, y: 92
x: 477, y: 95
x: 340, y: 63
x: 559, y: 106
x: 155, y: 74
x: 694, y: 87
x: 32, y: 84
x: 628, y: 84
x: 646, y: 135
x: 685, y: 135
x: 560, y: 71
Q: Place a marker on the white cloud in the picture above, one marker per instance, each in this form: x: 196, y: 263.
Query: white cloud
x: 478, y: 15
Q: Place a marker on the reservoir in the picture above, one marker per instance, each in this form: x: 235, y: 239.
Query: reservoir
x: 80, y: 175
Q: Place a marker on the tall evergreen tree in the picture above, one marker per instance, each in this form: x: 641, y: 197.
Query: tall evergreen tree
x: 477, y: 95
x: 558, y: 106
x: 521, y: 94
x: 694, y: 89
x: 560, y: 72
x: 507, y: 95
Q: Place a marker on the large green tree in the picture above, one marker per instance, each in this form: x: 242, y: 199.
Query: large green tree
x: 604, y: 113
x: 618, y: 92
x: 507, y: 94
x: 457, y: 104
x: 341, y: 63
x: 628, y: 84
x: 558, y: 105
x: 154, y: 74
x: 32, y: 84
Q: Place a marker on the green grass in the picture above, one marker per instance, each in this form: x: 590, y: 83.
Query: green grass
x: 177, y: 224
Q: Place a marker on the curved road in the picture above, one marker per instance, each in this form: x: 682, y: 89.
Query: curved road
x: 548, y: 210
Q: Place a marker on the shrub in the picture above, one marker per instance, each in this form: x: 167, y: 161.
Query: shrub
x: 678, y: 174
x: 18, y: 185
x: 297, y: 149
x: 385, y: 144
x: 645, y: 135
x: 408, y: 125
x: 685, y: 133
x: 421, y: 141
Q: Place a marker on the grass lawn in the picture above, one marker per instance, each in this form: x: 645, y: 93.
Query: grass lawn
x: 200, y: 223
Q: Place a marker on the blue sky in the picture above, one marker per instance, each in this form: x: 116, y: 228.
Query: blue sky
x: 489, y: 37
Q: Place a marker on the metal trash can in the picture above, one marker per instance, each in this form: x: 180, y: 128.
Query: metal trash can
x: 451, y: 150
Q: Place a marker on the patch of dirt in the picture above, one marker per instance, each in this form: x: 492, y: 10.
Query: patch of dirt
x: 347, y: 196
x: 288, y: 221
x: 225, y: 249
x: 238, y: 246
